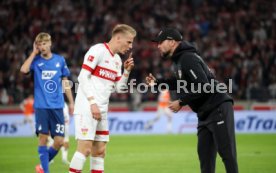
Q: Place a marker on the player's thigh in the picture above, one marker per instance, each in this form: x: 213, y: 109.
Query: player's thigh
x: 41, y: 121
x: 102, y: 130
x: 57, y: 127
x: 85, y: 125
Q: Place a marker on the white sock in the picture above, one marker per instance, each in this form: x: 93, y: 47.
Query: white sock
x: 96, y: 164
x: 64, y: 153
x: 77, y: 162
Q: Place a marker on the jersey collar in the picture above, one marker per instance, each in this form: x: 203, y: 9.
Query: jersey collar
x: 107, y: 47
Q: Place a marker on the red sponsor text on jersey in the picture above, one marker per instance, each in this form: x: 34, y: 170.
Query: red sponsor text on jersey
x: 102, y: 72
x: 105, y: 73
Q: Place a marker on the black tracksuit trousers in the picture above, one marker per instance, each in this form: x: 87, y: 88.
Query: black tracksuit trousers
x: 217, y: 134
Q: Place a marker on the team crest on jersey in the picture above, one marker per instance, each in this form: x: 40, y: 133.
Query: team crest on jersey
x: 57, y: 64
x: 90, y: 58
x: 48, y: 74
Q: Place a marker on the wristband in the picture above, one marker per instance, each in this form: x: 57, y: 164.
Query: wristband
x: 126, y: 72
x: 91, y: 101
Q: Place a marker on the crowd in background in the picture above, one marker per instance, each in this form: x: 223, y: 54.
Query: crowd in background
x: 236, y: 38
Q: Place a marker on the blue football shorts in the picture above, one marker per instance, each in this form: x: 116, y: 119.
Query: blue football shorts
x: 49, y: 121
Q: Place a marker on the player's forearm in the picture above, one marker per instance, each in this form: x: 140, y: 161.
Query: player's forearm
x: 121, y: 85
x: 67, y: 89
x: 25, y: 68
x: 69, y: 96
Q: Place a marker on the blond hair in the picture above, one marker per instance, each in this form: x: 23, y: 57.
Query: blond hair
x: 123, y: 28
x: 43, y: 36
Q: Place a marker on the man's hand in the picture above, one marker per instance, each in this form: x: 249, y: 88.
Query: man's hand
x: 175, y: 106
x: 35, y: 49
x: 96, y: 114
x: 150, y: 80
x: 129, y: 63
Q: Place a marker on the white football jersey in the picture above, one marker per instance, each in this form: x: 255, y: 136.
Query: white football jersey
x: 105, y: 69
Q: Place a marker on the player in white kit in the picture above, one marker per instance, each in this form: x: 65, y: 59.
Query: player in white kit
x: 101, y: 73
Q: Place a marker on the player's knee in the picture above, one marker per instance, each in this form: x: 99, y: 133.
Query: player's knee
x: 43, y: 140
x: 85, y: 147
x: 58, y: 143
x: 99, y: 153
x: 86, y: 151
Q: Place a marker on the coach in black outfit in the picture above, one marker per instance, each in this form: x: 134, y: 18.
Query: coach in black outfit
x: 214, y: 109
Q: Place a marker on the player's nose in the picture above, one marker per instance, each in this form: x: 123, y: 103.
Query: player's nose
x: 130, y: 46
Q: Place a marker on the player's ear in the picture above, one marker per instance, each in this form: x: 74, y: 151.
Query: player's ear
x: 118, y: 37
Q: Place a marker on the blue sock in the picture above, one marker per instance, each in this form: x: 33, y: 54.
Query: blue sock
x: 44, y: 158
x: 52, y: 153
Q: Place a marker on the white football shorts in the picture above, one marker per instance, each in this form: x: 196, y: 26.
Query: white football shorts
x: 87, y: 128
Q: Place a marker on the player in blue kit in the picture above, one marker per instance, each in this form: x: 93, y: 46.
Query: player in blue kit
x: 50, y: 72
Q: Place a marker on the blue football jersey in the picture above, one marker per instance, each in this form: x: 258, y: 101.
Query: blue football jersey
x: 48, y: 73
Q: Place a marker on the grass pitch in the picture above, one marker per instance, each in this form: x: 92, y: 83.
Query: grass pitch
x: 147, y: 154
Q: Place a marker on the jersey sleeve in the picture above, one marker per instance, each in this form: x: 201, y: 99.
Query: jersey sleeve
x: 90, y: 62
x: 65, y: 70
x: 92, y: 58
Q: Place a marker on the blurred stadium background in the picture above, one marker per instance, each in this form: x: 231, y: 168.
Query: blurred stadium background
x: 237, y: 38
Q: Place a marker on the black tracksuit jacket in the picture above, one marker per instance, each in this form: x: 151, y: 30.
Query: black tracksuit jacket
x: 189, y: 66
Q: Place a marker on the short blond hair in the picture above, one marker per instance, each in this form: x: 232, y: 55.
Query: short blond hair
x: 43, y: 36
x: 123, y: 28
